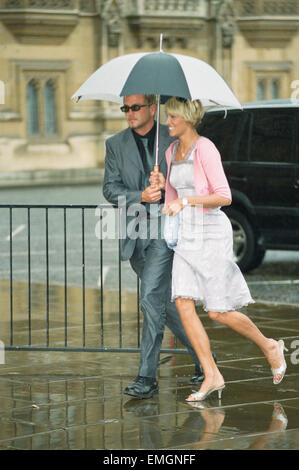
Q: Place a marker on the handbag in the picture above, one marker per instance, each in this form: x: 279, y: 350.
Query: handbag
x: 171, y: 230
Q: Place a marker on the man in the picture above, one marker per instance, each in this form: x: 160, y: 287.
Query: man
x: 130, y: 157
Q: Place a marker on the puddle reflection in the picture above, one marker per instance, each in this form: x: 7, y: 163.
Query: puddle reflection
x: 278, y: 424
x: 77, y: 414
x: 213, y: 420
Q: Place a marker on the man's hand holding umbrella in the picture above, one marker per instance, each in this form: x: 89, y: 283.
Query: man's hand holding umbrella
x: 151, y: 194
x: 157, y: 180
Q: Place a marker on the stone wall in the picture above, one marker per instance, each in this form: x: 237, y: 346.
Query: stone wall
x: 49, y: 48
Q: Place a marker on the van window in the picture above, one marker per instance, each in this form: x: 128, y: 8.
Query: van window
x: 273, y: 135
x: 229, y: 134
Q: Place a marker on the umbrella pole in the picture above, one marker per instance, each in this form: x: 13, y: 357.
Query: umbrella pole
x: 156, y: 167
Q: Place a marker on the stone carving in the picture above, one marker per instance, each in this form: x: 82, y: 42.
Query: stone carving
x: 171, y: 5
x: 40, y: 4
x: 267, y: 23
x: 50, y: 4
x: 83, y: 5
x: 12, y: 4
x: 227, y: 22
x: 267, y: 7
x: 162, y: 7
x: 114, y: 31
x: 112, y: 15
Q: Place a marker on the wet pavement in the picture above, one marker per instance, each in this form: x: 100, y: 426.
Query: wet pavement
x: 54, y: 400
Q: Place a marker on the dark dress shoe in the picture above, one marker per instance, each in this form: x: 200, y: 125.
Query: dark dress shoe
x: 141, y: 408
x: 199, y: 375
x: 143, y: 387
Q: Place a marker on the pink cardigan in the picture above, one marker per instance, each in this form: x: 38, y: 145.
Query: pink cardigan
x: 209, y: 176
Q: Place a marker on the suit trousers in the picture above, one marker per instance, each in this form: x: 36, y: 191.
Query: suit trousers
x: 152, y: 262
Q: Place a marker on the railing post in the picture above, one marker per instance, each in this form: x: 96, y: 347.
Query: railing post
x: 65, y: 277
x: 29, y: 274
x: 10, y: 276
x: 83, y: 274
x: 47, y: 275
x: 101, y: 279
x: 119, y: 280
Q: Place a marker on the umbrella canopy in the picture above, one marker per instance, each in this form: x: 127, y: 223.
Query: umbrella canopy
x: 157, y: 73
x: 161, y: 74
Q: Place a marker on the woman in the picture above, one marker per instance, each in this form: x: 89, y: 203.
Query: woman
x: 203, y: 266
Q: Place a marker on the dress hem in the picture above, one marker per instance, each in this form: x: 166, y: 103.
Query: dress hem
x: 206, y: 309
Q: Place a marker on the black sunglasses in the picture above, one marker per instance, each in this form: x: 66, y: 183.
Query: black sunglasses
x: 181, y: 100
x: 135, y: 107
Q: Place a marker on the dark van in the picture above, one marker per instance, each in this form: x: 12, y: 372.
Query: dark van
x: 259, y: 146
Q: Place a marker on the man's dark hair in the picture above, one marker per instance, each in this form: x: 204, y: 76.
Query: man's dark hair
x: 150, y: 99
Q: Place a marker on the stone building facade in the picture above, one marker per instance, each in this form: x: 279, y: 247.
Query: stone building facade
x: 49, y: 47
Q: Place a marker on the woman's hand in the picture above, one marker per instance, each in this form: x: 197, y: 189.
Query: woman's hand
x: 157, y: 179
x: 173, y: 207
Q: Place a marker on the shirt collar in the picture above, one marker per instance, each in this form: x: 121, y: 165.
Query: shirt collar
x: 150, y: 135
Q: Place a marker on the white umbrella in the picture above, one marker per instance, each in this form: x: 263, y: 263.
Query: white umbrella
x: 161, y: 74
x: 157, y: 73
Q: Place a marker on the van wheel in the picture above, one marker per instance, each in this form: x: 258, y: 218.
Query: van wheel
x: 247, y: 254
x: 258, y: 258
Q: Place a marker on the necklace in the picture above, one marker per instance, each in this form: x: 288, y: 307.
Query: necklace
x: 185, y: 152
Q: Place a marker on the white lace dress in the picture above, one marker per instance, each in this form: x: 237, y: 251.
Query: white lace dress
x: 203, y: 265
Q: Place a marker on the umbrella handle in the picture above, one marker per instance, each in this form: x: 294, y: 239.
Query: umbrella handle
x: 156, y: 169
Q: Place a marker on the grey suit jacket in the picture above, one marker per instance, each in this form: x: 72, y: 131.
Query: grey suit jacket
x: 124, y: 174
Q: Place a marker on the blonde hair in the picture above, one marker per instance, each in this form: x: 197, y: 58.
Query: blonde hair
x: 191, y: 111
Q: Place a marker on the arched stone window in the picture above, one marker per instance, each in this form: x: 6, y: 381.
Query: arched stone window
x: 41, y: 104
x: 268, y: 88
x: 50, y: 125
x: 274, y: 91
x: 32, y: 107
x: 261, y: 90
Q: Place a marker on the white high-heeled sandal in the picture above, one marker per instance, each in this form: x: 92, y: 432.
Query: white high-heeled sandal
x: 200, y: 396
x: 282, y: 369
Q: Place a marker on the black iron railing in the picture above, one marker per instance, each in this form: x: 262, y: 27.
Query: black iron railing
x: 54, y: 288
